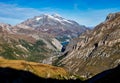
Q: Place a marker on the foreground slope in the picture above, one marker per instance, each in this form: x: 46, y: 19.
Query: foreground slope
x: 94, y: 51
x: 19, y: 71
x: 41, y: 70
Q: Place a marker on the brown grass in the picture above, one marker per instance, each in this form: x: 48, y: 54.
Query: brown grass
x: 42, y: 70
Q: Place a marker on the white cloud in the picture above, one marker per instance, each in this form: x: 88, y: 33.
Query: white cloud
x: 10, y: 12
x: 13, y: 14
x: 17, y: 12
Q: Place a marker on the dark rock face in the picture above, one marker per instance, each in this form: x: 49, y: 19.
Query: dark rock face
x: 96, y: 50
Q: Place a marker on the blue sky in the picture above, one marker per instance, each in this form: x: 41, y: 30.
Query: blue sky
x: 86, y: 12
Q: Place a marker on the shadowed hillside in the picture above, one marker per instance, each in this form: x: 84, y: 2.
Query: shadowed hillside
x: 9, y: 75
x: 108, y: 76
x: 41, y: 70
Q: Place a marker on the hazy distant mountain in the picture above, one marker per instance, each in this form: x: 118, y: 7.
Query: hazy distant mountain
x: 56, y: 25
x: 94, y: 51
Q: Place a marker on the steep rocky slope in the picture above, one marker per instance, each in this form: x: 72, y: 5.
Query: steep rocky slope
x: 50, y: 40
x: 56, y: 25
x: 94, y: 51
x: 29, y: 45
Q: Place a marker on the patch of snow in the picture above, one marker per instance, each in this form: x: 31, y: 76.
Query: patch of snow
x: 56, y: 15
x: 67, y: 21
x: 60, y: 20
x: 38, y: 18
x: 51, y: 17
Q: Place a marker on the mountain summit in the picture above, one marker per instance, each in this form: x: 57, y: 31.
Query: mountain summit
x: 56, y: 25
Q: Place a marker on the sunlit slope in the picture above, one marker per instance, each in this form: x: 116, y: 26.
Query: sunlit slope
x: 42, y: 70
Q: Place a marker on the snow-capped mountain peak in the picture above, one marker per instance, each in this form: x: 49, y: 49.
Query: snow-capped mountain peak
x: 54, y: 17
x: 55, y: 24
x: 38, y: 18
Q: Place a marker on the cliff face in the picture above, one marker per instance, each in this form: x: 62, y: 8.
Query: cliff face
x: 96, y: 50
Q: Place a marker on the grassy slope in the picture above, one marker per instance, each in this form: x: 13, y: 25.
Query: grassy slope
x: 42, y: 70
x: 36, y: 51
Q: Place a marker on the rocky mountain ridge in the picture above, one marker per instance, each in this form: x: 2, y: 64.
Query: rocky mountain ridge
x: 94, y: 51
x: 37, y: 38
x: 56, y: 25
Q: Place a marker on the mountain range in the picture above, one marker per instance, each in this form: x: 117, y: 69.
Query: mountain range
x: 62, y: 29
x: 39, y: 39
